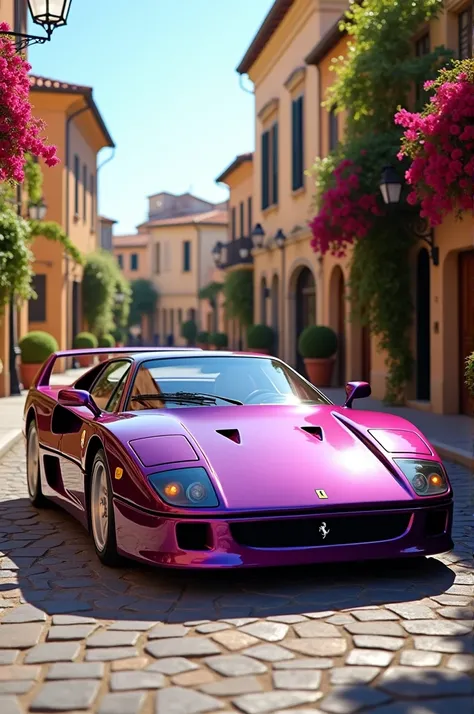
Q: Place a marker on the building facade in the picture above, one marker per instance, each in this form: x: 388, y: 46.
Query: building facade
x: 105, y: 230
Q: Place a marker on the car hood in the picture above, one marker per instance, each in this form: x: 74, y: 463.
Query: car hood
x: 281, y: 456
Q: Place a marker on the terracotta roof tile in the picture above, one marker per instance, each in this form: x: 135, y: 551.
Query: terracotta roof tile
x: 207, y: 218
x: 238, y: 161
x: 134, y: 240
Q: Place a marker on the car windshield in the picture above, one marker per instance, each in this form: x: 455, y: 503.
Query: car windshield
x: 222, y: 381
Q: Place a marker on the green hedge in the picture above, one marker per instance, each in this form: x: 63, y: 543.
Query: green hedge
x: 202, y: 338
x: 317, y: 342
x: 37, y: 346
x: 189, y: 331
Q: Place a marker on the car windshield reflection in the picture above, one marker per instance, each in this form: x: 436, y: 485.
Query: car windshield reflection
x: 184, y: 382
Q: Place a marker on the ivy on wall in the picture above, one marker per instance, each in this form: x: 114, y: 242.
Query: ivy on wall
x: 101, y: 283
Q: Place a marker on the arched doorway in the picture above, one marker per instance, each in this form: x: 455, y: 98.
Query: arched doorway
x: 423, y: 352
x: 305, y: 307
x: 275, y: 289
x: 338, y: 321
x: 263, y: 301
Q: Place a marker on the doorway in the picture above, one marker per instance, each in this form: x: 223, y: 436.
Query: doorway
x: 423, y: 348
x: 305, y: 308
x: 275, y: 290
x: 466, y: 324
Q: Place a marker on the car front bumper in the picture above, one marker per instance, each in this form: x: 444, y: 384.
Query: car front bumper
x: 274, y: 540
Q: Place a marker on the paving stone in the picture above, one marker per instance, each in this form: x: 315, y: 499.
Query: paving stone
x: 318, y: 647
x: 133, y: 625
x: 16, y: 687
x: 379, y: 642
x: 53, y: 652
x: 73, y: 620
x: 178, y: 700
x: 209, y: 627
x: 461, y: 662
x: 443, y: 644
x: 421, y: 683
x: 305, y: 663
x: 342, y: 618
x: 232, y: 686
x: 388, y: 629
x: 25, y: 613
x: 54, y: 607
x: 269, y: 631
x: 451, y: 600
x: 341, y: 676
x: 20, y: 636
x: 9, y: 705
x: 287, y: 619
x: 182, y: 647
x: 113, y: 638
x: 441, y: 628
x: 122, y: 703
x: 269, y: 653
x: 297, y: 679
x: 235, y: 665
x: 375, y: 615
x: 194, y: 623
x: 412, y: 611
x: 194, y: 679
x: 76, y: 583
x: 109, y: 654
x: 347, y: 700
x: 457, y: 613
x: 70, y: 632
x: 366, y: 657
x: 76, y: 670
x: 124, y: 681
x: 234, y: 640
x: 239, y: 621
x: 417, y: 658
x: 8, y: 656
x: 162, y: 631
x: 172, y: 666
x: 459, y: 705
x: 18, y: 672
x: 122, y: 665
x: 316, y: 629
x: 271, y: 701
x: 65, y: 696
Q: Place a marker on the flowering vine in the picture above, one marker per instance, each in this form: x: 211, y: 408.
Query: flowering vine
x: 20, y: 132
x: 440, y: 143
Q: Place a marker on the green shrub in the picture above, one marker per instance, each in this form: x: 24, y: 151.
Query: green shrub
x: 85, y: 340
x: 36, y: 347
x: 119, y: 335
x: 189, y: 331
x: 106, y: 341
x: 202, y: 338
x: 260, y: 337
x: 469, y: 373
x: 317, y: 342
x: 218, y: 339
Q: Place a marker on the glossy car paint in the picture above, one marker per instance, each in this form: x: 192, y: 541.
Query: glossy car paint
x: 274, y: 472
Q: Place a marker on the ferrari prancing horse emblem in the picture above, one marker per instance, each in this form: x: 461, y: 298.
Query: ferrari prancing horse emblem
x: 320, y: 493
x: 324, y: 530
x: 83, y: 438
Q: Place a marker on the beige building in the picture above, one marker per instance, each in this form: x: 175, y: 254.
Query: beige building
x: 133, y: 255
x: 105, y: 230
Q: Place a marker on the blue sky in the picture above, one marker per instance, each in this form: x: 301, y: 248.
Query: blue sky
x: 163, y: 73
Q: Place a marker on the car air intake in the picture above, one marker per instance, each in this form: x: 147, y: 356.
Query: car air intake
x: 232, y: 434
x: 194, y: 536
x: 321, y: 530
x: 436, y: 522
x: 315, y: 431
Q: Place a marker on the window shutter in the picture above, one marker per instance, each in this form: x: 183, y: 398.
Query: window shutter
x: 274, y: 154
x: 265, y: 171
x: 297, y: 143
x: 249, y: 215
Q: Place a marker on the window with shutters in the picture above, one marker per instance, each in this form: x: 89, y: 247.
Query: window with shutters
x: 186, y: 256
x: 297, y: 144
x: 249, y: 215
x: 92, y: 190
x: 84, y: 193
x: 37, y: 308
x: 270, y: 167
x: 157, y: 258
x: 134, y: 261
x: 233, y: 226
x: 242, y: 226
x: 76, y: 184
x: 465, y: 33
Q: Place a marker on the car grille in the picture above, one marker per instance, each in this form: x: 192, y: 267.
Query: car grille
x: 307, y: 532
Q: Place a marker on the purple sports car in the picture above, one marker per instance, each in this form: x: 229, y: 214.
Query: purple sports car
x: 203, y: 459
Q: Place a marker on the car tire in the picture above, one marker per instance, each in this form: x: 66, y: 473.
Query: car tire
x: 33, y: 473
x: 101, y: 512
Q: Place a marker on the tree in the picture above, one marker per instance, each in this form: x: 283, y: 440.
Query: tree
x: 99, y: 290
x: 211, y: 293
x: 144, y: 299
x: 238, y: 294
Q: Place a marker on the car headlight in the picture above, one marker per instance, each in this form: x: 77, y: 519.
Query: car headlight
x: 427, y: 478
x: 191, y: 488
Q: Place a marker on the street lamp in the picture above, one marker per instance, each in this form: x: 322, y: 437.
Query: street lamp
x: 258, y: 236
x: 391, y: 189
x: 246, y: 247
x: 119, y: 298
x: 280, y: 239
x: 50, y: 14
x: 217, y: 253
x: 37, y: 211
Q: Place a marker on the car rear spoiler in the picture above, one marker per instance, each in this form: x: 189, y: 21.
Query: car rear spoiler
x: 44, y: 374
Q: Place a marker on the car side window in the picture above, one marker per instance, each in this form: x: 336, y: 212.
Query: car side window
x: 117, y: 394
x: 108, y: 381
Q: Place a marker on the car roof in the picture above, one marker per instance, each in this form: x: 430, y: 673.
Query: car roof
x: 145, y: 356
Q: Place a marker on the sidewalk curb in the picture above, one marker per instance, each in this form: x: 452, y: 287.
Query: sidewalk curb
x: 8, y: 441
x: 459, y: 456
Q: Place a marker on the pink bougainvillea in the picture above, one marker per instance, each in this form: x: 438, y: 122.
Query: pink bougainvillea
x: 346, y: 213
x: 20, y: 132
x: 440, y: 142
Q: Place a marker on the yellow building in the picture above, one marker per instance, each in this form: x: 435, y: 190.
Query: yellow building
x: 288, y: 62
x: 75, y: 126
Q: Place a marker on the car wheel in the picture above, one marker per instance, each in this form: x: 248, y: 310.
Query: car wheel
x: 33, y: 478
x: 101, y: 512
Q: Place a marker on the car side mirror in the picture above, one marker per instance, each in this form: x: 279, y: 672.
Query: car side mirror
x: 356, y: 390
x: 78, y: 398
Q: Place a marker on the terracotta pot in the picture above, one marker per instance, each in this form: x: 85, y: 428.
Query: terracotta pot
x: 85, y: 360
x: 319, y: 371
x: 103, y: 358
x: 202, y: 345
x: 259, y: 350
x: 28, y: 372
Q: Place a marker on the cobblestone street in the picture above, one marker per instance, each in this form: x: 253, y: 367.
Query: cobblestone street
x: 391, y: 638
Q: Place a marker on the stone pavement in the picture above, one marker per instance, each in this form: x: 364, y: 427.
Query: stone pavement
x: 385, y: 637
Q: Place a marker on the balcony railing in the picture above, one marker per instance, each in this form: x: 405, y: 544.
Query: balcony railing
x: 236, y: 252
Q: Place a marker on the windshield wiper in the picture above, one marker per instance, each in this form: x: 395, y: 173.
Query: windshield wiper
x: 189, y: 397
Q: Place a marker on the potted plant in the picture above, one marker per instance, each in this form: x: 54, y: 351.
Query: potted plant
x: 35, y: 347
x: 85, y: 340
x: 202, y: 340
x: 260, y: 338
x: 119, y: 336
x: 106, y: 341
x: 189, y: 332
x: 317, y: 345
x: 218, y: 340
